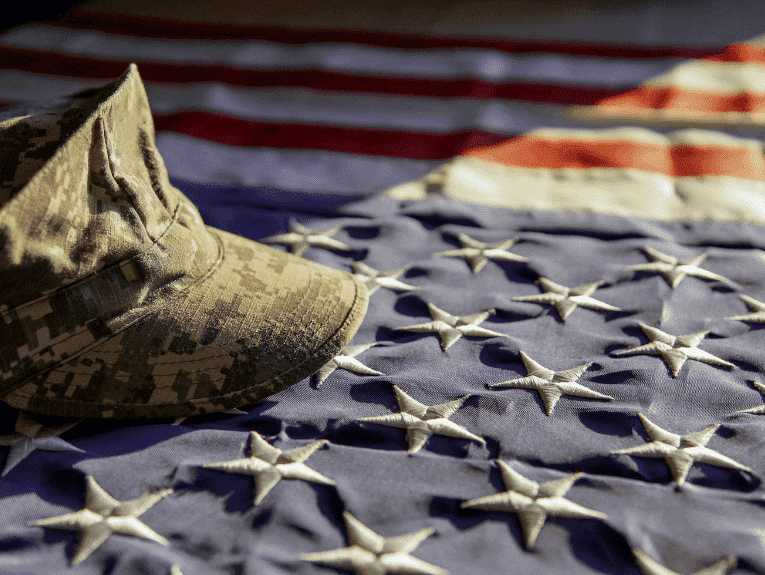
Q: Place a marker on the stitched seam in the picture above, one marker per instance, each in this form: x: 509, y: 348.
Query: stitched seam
x: 87, y: 348
x: 212, y: 346
x: 343, y: 327
x: 191, y: 360
x: 94, y: 275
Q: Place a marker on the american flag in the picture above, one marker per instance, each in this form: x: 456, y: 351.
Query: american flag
x: 560, y: 368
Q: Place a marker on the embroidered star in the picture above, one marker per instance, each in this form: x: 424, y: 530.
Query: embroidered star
x: 346, y: 359
x: 451, y: 328
x: 551, y: 385
x: 533, y: 502
x: 104, y: 515
x: 29, y: 435
x: 270, y: 465
x: 757, y: 314
x: 760, y: 409
x: 479, y: 253
x: 650, y: 567
x: 420, y: 420
x: 674, y: 350
x: 679, y: 451
x: 675, y: 270
x: 300, y: 238
x: 566, y: 299
x: 374, y: 279
x: 371, y: 554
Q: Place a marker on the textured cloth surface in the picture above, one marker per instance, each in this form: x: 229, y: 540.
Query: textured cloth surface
x: 635, y: 500
x: 468, y: 427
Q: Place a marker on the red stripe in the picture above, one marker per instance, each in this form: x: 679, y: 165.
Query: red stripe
x: 677, y: 160
x: 44, y: 62
x: 700, y: 102
x: 740, y: 53
x: 366, y: 141
x: 135, y: 26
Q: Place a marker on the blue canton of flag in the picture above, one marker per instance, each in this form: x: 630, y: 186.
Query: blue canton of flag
x: 558, y: 403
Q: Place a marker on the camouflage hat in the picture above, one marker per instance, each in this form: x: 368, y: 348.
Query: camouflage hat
x: 116, y: 299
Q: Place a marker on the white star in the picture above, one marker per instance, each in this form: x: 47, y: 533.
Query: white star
x: 675, y: 270
x: 421, y: 420
x: 346, y: 359
x: 104, y: 515
x: 760, y: 409
x: 270, y: 465
x: 650, y: 567
x: 451, y: 328
x: 679, y: 451
x: 300, y: 238
x: 29, y: 435
x: 551, y: 385
x: 371, y: 554
x: 479, y: 253
x: 674, y: 350
x: 566, y: 299
x: 533, y: 502
x: 758, y: 311
x: 374, y: 279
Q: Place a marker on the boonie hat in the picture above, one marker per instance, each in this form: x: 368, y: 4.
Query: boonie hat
x: 117, y: 301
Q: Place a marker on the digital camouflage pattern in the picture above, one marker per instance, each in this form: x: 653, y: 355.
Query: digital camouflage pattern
x: 116, y: 299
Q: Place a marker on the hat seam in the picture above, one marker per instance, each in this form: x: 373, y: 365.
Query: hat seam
x: 83, y: 282
x: 348, y: 321
x: 166, y: 299
x: 211, y: 346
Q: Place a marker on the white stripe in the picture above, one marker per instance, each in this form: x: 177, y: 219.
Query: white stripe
x: 716, y: 77
x: 435, y: 115
x: 688, y: 137
x: 490, y: 65
x: 713, y: 138
x: 621, y: 191
x: 618, y: 191
x: 658, y: 22
x: 621, y: 134
x: 25, y: 87
x: 299, y: 170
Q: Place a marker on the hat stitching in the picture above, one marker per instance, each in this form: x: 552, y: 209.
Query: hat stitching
x: 211, y: 346
x: 90, y: 346
x: 311, y: 307
x: 85, y: 282
x: 343, y: 328
x: 179, y: 361
x: 94, y: 276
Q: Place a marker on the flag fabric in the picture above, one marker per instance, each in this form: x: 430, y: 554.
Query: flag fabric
x: 560, y: 368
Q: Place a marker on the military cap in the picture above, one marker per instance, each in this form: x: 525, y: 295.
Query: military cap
x: 117, y: 300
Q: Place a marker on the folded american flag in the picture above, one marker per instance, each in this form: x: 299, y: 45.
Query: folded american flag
x: 565, y: 381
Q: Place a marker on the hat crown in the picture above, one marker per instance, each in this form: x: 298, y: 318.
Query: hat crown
x: 82, y: 186
x: 92, y: 235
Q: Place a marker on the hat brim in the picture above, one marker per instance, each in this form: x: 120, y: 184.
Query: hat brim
x: 261, y: 321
